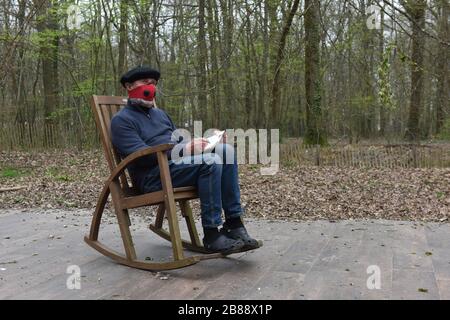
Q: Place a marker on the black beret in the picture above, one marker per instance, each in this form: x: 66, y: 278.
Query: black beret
x: 138, y: 73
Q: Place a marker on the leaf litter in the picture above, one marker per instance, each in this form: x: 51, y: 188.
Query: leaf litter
x: 73, y: 180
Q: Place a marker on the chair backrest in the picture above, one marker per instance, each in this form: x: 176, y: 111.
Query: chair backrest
x: 104, y: 108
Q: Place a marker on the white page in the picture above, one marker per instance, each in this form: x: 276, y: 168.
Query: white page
x: 213, y: 141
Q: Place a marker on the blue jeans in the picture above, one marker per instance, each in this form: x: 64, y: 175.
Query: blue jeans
x: 216, y: 179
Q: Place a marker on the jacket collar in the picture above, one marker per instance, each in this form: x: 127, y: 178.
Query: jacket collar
x: 140, y: 109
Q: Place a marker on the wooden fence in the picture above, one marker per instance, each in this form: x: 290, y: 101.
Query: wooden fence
x: 39, y: 135
x: 375, y: 156
x: 67, y: 134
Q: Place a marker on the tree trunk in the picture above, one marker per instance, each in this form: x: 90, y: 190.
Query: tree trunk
x: 123, y: 43
x: 314, y: 133
x: 202, y: 63
x: 272, y: 44
x: 416, y: 11
x: 226, y: 57
x: 443, y: 88
x: 214, y: 72
x: 381, y: 57
x: 275, y: 95
x: 48, y: 27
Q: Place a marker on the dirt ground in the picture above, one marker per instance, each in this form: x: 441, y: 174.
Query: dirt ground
x: 72, y: 180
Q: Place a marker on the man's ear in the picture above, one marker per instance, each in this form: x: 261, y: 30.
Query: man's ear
x: 128, y: 86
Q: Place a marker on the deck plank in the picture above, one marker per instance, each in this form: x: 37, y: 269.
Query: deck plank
x: 304, y: 260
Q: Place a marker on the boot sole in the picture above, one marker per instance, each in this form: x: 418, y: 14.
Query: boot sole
x: 227, y: 252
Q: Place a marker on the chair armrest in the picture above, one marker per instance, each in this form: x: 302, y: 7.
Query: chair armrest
x: 137, y: 155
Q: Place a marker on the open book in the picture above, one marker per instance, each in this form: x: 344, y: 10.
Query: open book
x: 213, y: 141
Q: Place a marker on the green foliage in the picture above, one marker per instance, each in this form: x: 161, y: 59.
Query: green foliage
x: 385, y: 91
x: 440, y: 195
x: 61, y: 113
x: 10, y: 173
x: 73, y: 161
x: 445, y: 131
x: 83, y: 88
x: 55, y: 173
x: 45, y: 38
x: 19, y: 199
x: 315, y: 137
x: 259, y: 48
x: 359, y: 102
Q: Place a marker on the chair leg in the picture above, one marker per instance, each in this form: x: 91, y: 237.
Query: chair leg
x: 97, y: 217
x: 195, y: 245
x: 160, y: 216
x: 174, y: 230
x: 169, y: 201
x: 187, y: 214
x: 126, y: 234
x: 127, y: 217
x: 124, y: 225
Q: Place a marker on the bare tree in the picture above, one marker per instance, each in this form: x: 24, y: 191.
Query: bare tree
x: 416, y: 13
x: 443, y: 89
x: 315, y: 134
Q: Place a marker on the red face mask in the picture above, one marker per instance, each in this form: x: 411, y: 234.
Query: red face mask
x: 144, y: 92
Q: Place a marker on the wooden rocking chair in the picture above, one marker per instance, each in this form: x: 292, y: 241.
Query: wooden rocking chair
x: 125, y: 196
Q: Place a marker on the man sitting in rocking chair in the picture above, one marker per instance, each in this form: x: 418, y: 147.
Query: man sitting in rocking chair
x: 141, y: 125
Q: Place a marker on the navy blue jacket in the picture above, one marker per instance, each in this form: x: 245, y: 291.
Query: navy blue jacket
x: 135, y: 128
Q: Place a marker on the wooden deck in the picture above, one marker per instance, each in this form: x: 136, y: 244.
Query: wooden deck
x: 315, y: 260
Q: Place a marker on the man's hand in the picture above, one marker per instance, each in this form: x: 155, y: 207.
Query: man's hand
x: 197, y: 146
